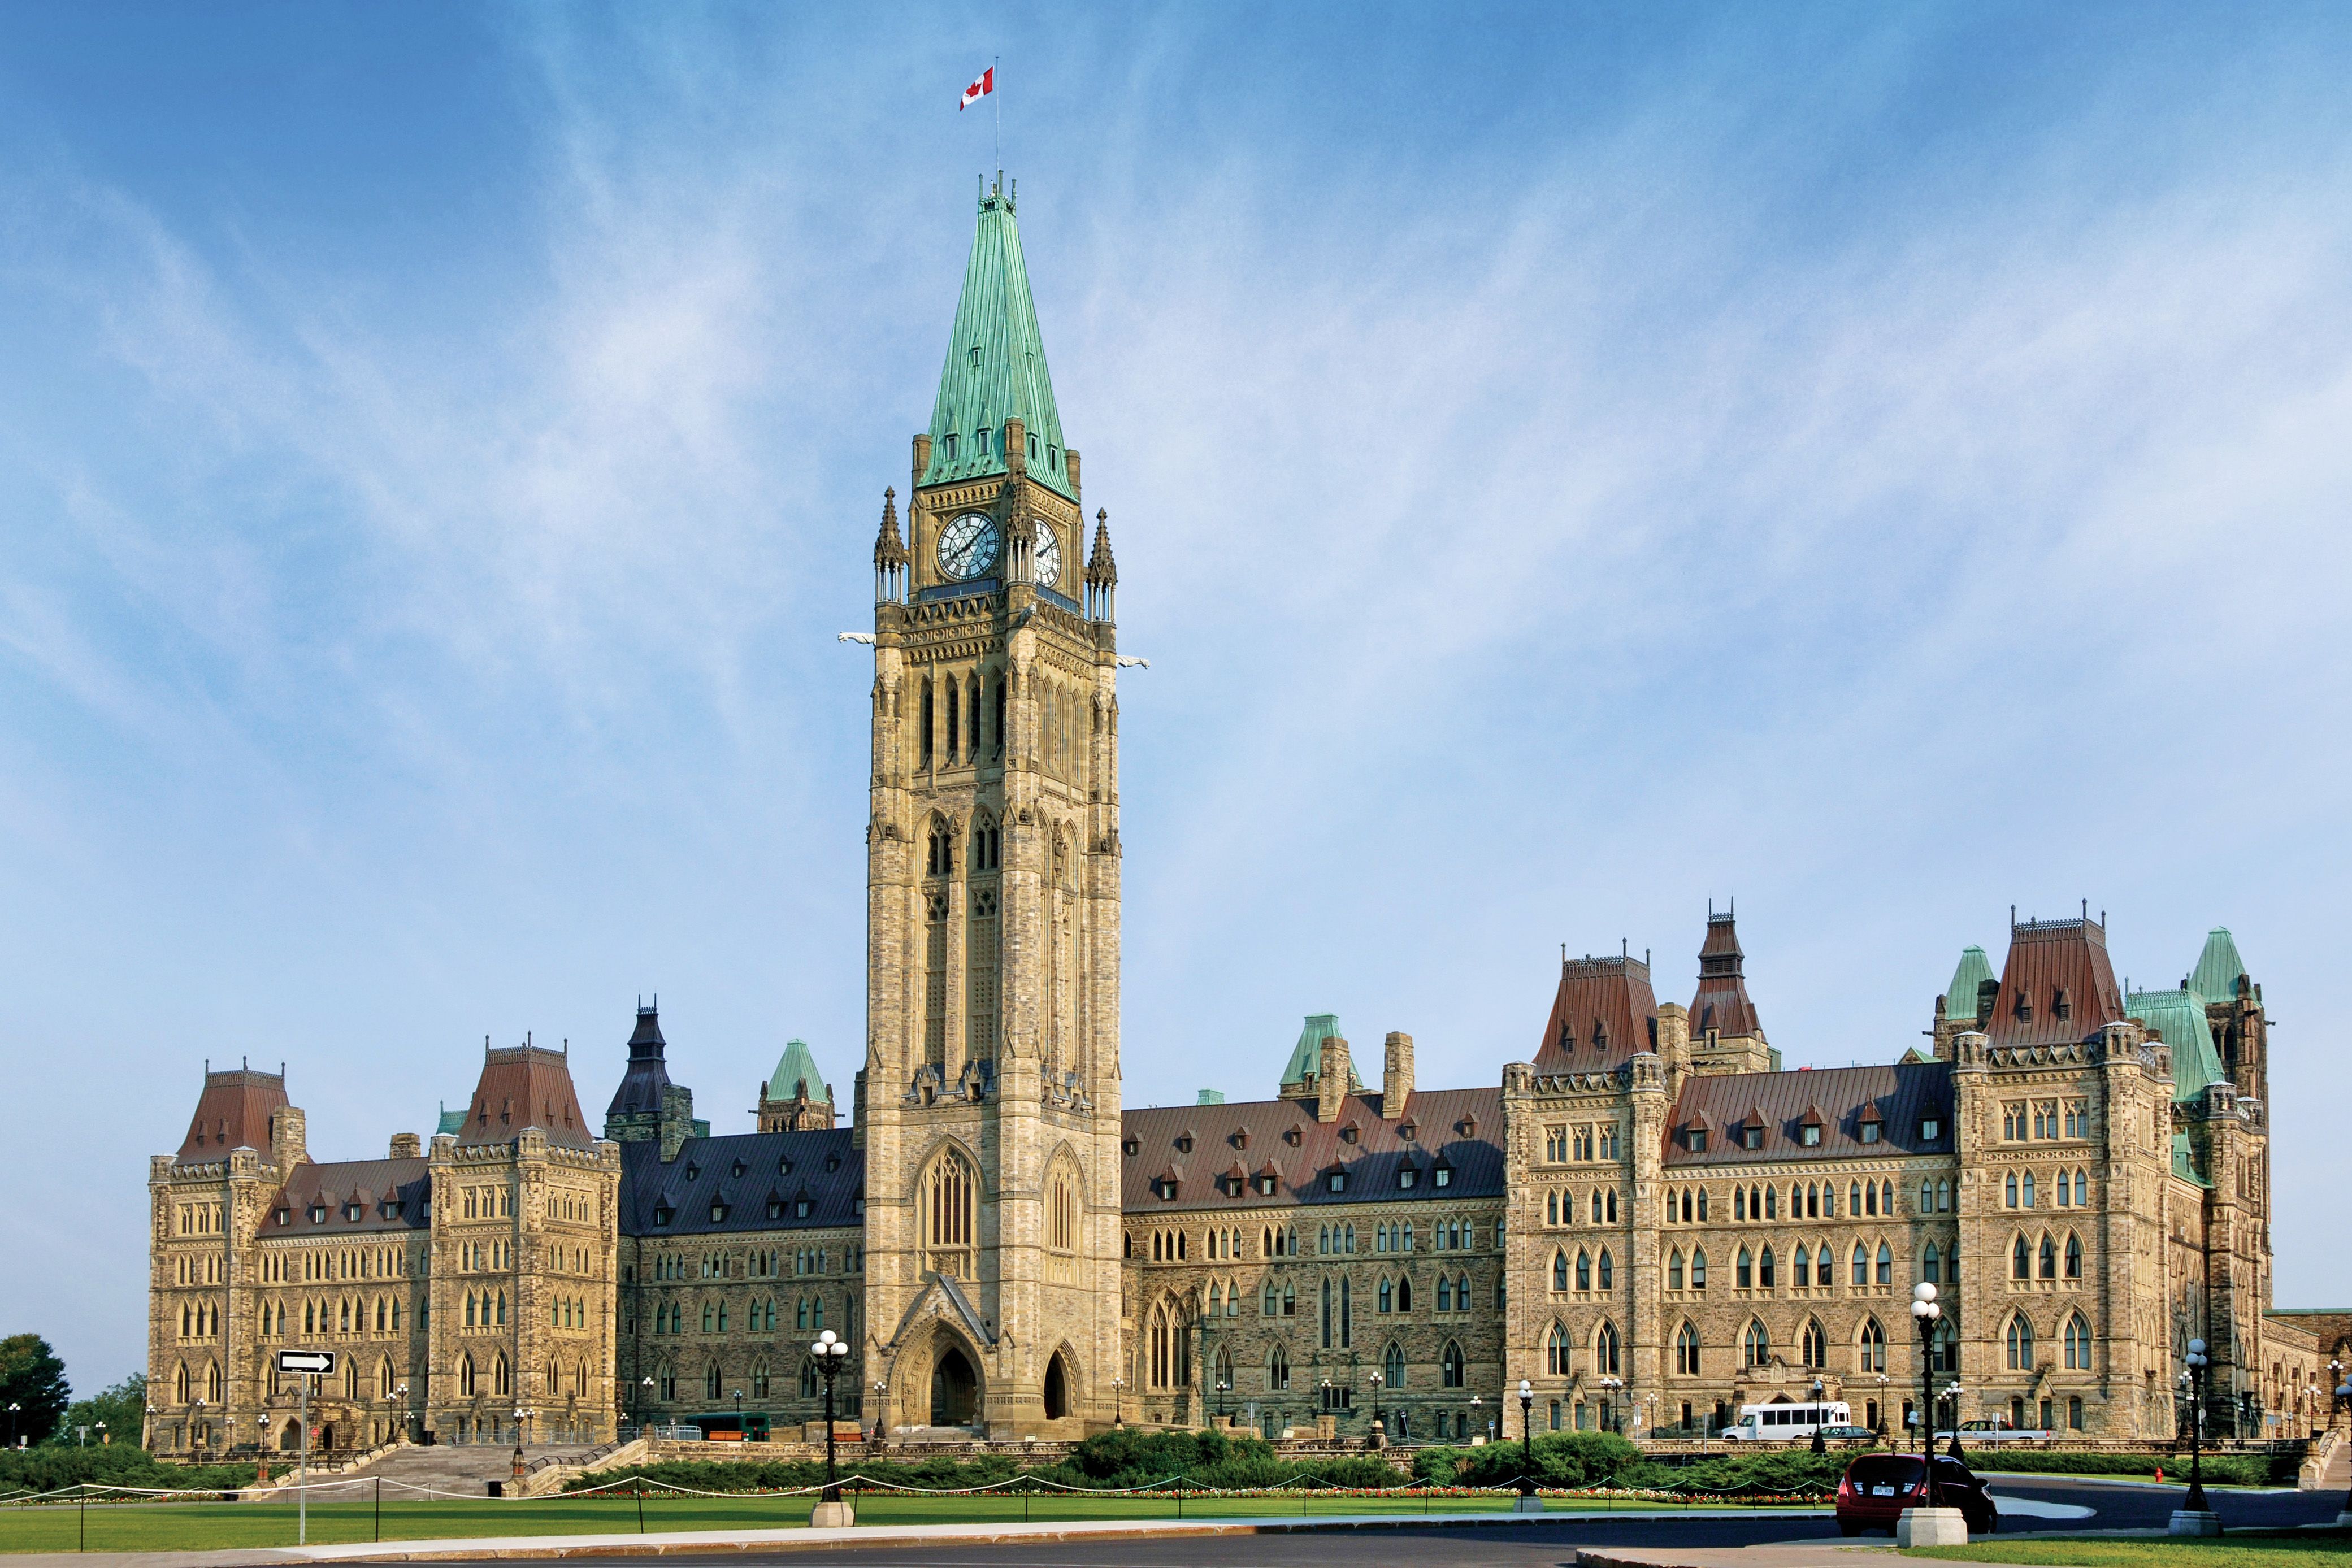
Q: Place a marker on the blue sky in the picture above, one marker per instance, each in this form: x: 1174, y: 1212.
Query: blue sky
x: 1567, y: 464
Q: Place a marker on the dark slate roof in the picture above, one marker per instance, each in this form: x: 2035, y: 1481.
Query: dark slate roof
x: 2046, y: 958
x: 1602, y: 1016
x: 704, y: 1170
x: 1435, y: 1115
x: 372, y: 1182
x: 1902, y: 1092
x: 1721, y: 1002
x: 232, y: 1112
x: 525, y: 1086
x: 641, y: 1086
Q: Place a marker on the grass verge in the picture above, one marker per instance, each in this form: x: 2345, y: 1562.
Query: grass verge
x: 184, y: 1527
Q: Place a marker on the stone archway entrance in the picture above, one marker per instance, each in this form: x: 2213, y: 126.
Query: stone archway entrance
x: 290, y: 1439
x: 1057, y: 1388
x: 953, y: 1389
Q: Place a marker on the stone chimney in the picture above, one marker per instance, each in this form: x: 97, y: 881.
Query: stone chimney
x: 407, y: 1147
x: 289, y: 1139
x: 1396, y: 1076
x: 1673, y: 1044
x: 1332, y: 1080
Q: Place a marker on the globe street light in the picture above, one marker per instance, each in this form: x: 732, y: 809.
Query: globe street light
x: 642, y: 1399
x: 1609, y: 1388
x: 827, y: 1356
x: 2197, y: 1361
x: 1925, y: 1312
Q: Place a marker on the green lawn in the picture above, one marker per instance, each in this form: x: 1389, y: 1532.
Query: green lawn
x: 2297, y: 1550
x: 151, y: 1527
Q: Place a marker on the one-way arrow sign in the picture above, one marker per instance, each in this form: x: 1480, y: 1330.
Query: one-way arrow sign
x: 319, y: 1363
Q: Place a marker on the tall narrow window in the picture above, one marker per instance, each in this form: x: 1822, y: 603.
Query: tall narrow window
x: 2021, y: 1344
x: 980, y: 963
x: 1606, y: 1350
x: 1885, y: 1264
x: 1816, y: 1344
x: 2073, y: 1257
x: 1756, y: 1345
x: 947, y: 1195
x: 1687, y: 1350
x: 953, y: 691
x: 2078, y: 1344
x: 971, y: 731
x: 935, y: 978
x: 1873, y: 1346
x: 923, y: 723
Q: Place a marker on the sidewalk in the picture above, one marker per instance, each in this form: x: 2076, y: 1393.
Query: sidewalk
x: 527, y: 1548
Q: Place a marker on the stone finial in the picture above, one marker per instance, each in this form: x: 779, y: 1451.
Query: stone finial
x: 888, y: 549
x: 1102, y: 569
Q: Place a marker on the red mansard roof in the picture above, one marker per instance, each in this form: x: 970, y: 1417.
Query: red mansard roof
x: 525, y: 1086
x: 232, y: 1112
x: 1603, y: 1014
x: 2056, y: 985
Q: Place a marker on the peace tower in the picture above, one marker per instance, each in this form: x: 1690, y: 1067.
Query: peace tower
x: 990, y: 1099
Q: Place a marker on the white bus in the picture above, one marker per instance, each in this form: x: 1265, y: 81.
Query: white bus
x: 1778, y: 1423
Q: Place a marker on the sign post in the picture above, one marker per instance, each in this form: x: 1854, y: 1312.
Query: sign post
x: 306, y: 1364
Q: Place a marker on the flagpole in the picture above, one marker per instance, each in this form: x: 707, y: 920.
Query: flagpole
x: 996, y: 110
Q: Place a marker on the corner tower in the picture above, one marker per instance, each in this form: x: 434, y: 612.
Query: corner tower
x: 991, y: 1092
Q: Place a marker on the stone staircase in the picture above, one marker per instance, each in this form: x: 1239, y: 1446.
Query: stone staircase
x: 462, y: 1468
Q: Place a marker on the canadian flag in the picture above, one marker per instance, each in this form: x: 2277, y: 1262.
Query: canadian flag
x: 979, y: 89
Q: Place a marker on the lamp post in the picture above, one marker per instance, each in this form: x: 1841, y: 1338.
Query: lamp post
x: 520, y: 1415
x: 14, y: 1407
x: 1376, y: 1399
x: 1952, y: 1396
x: 1118, y: 1393
x: 739, y: 1411
x: 2343, y: 1399
x: 880, y: 1389
x: 401, y: 1395
x: 1225, y: 1386
x: 643, y: 1400
x: 1927, y: 1313
x: 2196, y: 1360
x: 102, y: 1438
x: 828, y: 1356
x: 1880, y: 1425
x: 1529, y: 1502
x: 1609, y: 1390
x: 1478, y: 1414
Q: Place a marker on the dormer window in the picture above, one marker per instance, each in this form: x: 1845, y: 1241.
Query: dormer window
x: 1348, y: 1134
x: 785, y: 1166
x: 1751, y: 1137
x: 1129, y: 1148
x: 1697, y: 1136
x: 735, y: 1169
x: 1930, y: 1129
x: 664, y: 1214
x: 1869, y: 1131
x: 692, y: 1171
x: 1183, y: 1143
x: 776, y: 1209
x: 317, y: 1214
x: 2024, y: 1003
x: 1468, y: 1126
x: 951, y: 446
x: 800, y: 1208
x: 1292, y: 1137
x: 2061, y: 1006
x: 1407, y: 1176
x: 285, y: 1216
x: 717, y: 1211
x: 858, y: 1205
x: 975, y: 365
x: 392, y: 1208
x: 1407, y: 1131
x: 1441, y: 1175
x: 1164, y: 1189
x: 832, y: 1162
x: 1266, y: 1181
x: 980, y: 442
x: 1809, y: 1136
x: 1335, y: 1181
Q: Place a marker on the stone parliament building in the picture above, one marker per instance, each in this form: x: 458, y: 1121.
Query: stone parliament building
x: 1646, y: 1218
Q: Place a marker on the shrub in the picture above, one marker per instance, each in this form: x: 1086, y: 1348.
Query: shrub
x: 2227, y: 1469
x: 54, y: 1465
x: 1784, y: 1471
x: 1561, y: 1460
x: 1439, y: 1464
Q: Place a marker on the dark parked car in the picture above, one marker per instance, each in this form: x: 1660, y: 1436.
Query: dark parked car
x: 1877, y: 1488
x: 1848, y: 1434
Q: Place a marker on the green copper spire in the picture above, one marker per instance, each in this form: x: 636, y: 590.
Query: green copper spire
x: 1960, y: 1001
x: 2218, y: 967
x: 996, y: 366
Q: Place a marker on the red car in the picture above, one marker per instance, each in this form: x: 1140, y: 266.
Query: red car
x: 1877, y: 1488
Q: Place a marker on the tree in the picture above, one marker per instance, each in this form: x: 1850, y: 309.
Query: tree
x: 123, y: 1409
x: 34, y: 1379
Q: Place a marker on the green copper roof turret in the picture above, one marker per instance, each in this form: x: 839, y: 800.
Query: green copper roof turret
x: 1307, y: 1057
x: 2179, y: 1017
x: 996, y: 366
x: 2218, y: 967
x: 1960, y: 1001
x: 795, y: 1068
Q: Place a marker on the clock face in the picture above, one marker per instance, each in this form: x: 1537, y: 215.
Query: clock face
x: 1049, y: 555
x: 968, y: 546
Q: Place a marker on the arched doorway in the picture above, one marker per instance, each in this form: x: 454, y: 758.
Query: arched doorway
x: 952, y: 1387
x: 290, y: 1439
x: 1057, y: 1388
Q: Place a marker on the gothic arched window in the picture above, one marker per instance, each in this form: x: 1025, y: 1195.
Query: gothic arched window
x: 1393, y: 1366
x: 1556, y: 1352
x: 1873, y: 1346
x: 1756, y: 1345
x: 1816, y: 1344
x: 2078, y: 1343
x: 1605, y: 1350
x: 1686, y: 1349
x: 2020, y: 1344
x: 947, y: 1194
x: 1451, y: 1365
